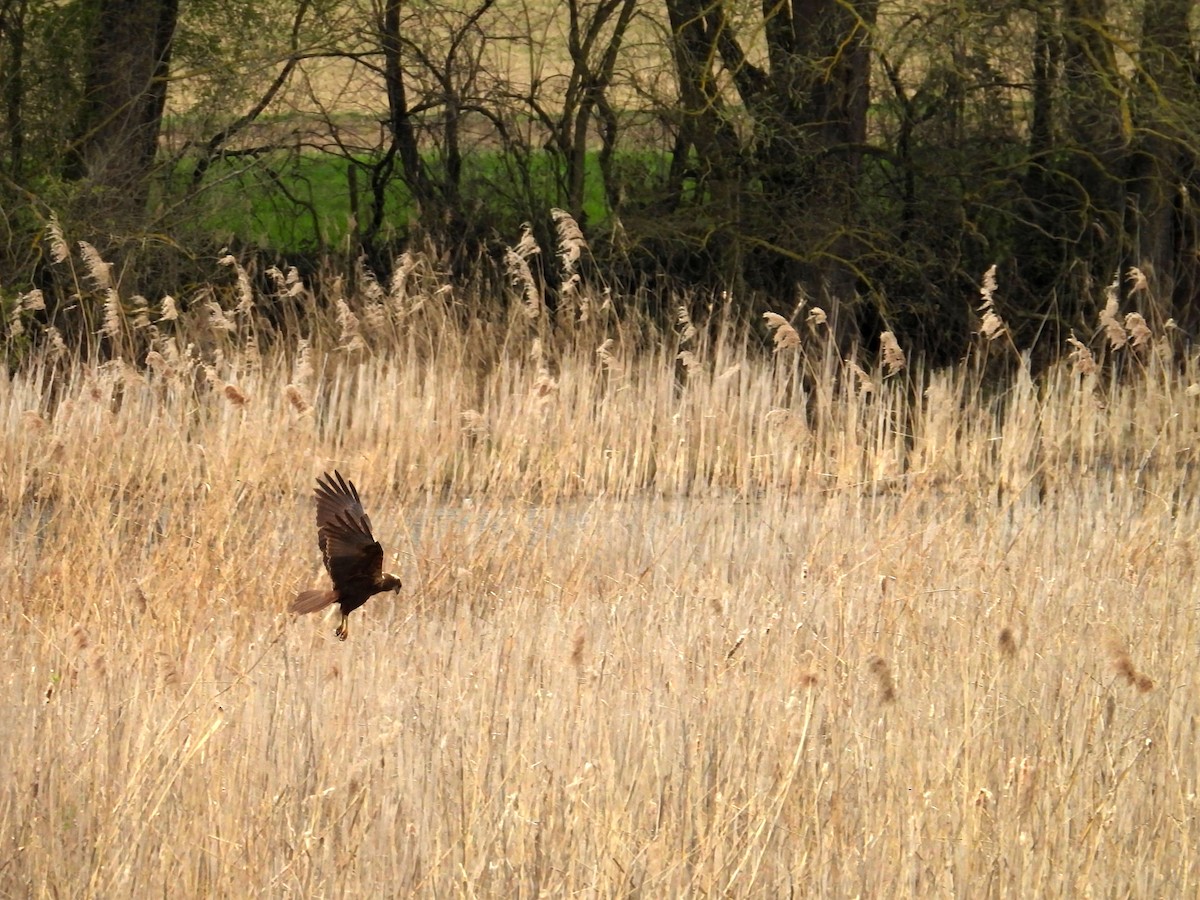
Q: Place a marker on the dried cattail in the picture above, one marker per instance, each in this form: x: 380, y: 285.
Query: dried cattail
x: 245, y: 290
x: 80, y: 638
x: 59, y: 251
x: 304, y: 369
x: 1007, y: 642
x: 235, y: 396
x: 168, y: 313
x: 168, y: 674
x: 113, y: 314
x: 608, y: 361
x: 518, y: 271
x: 544, y: 385
x: 138, y: 597
x: 296, y: 398
x: 351, y: 332
x: 218, y: 319
x: 91, y: 655
x: 883, y: 675
x: 517, y: 267
x: 473, y: 423
x: 374, y: 316
x: 58, y: 347
x: 368, y: 283
x: 578, y: 643
x: 1139, y: 331
x: 1082, y: 360
x: 398, y: 288
x: 295, y: 284
x: 816, y: 317
x: 527, y: 246
x: 780, y: 420
x: 858, y: 373
x: 1113, y: 329
x: 141, y: 312
x: 688, y: 359
x: 786, y: 337
x: 1026, y: 781
x: 1139, y: 283
x: 277, y: 279
x: 158, y: 363
x: 571, y: 242
x: 893, y: 356
x: 987, y: 292
x: 1123, y: 664
x: 16, y: 327
x: 1125, y: 668
x: 991, y: 326
x: 98, y: 270
x: 687, y: 330
x: 33, y: 301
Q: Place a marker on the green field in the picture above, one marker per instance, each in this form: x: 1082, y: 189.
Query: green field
x: 301, y: 202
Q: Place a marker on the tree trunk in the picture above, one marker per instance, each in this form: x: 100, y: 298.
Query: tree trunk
x: 707, y: 149
x: 400, y: 123
x: 1097, y: 134
x: 812, y: 118
x: 1162, y: 161
x: 128, y: 63
x: 12, y: 79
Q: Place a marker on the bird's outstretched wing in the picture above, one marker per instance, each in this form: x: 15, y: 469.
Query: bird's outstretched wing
x: 351, y: 553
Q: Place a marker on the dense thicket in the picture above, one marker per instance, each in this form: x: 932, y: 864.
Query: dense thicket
x: 877, y: 157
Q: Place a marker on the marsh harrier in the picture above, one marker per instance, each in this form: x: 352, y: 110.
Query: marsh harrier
x: 352, y: 555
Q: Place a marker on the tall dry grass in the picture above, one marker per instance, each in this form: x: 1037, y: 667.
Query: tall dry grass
x: 681, y: 616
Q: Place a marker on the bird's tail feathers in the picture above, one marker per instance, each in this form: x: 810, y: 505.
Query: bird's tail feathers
x: 312, y: 601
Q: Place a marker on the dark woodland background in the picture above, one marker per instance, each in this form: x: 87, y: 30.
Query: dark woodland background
x: 874, y: 158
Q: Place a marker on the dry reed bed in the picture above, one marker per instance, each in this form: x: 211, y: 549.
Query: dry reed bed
x: 679, y: 617
x: 654, y: 638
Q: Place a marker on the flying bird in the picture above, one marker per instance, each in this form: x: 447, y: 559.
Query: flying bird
x: 352, y: 555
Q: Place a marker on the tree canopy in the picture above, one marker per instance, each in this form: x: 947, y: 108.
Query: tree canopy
x: 878, y: 156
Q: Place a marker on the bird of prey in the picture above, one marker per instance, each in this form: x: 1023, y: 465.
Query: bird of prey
x: 352, y: 555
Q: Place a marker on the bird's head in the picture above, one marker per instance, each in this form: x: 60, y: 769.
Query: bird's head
x: 390, y: 582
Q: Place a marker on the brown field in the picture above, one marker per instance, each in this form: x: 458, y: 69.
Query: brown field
x: 736, y: 633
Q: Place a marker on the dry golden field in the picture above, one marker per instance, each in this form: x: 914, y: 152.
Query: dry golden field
x: 669, y: 627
